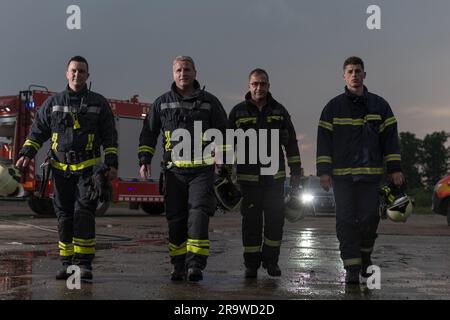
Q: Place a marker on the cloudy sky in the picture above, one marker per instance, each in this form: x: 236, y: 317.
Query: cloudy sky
x: 302, y: 44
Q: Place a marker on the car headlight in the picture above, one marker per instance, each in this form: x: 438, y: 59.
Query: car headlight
x: 307, y: 198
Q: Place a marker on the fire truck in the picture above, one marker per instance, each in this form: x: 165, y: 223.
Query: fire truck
x: 17, y: 113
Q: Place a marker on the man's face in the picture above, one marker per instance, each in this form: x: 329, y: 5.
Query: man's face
x: 77, y: 75
x: 184, y: 74
x: 354, y: 76
x: 258, y: 85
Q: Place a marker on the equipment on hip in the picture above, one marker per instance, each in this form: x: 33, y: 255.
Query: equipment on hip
x: 10, y: 185
x: 395, y: 204
x: 293, y: 208
x: 227, y: 194
x: 100, y: 188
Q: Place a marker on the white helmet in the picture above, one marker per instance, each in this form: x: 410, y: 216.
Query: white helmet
x: 400, y: 209
x: 293, y: 208
x: 10, y: 182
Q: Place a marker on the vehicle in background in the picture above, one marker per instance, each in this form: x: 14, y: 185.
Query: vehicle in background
x: 441, y: 198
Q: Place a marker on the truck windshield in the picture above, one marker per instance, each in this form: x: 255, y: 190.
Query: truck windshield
x: 7, y: 128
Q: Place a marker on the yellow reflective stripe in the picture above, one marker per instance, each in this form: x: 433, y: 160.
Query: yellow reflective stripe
x: 195, y: 163
x: 63, y: 245
x: 197, y: 250
x: 372, y: 117
x: 168, y: 144
x: 387, y: 122
x: 111, y: 150
x: 248, y: 177
x: 75, y: 167
x: 90, y: 143
x: 356, y: 171
x: 84, y: 250
x: 326, y: 125
x: 66, y: 253
x: 270, y: 118
x: 253, y: 249
x: 66, y: 249
x: 352, y: 262
x: 279, y: 175
x: 245, y: 120
x: 393, y: 157
x: 348, y: 121
x: 272, y: 243
x: 146, y: 149
x: 295, y: 159
x: 324, y: 159
x: 33, y: 144
x: 84, y: 242
x: 366, y: 249
x: 55, y: 141
x: 199, y: 242
x: 175, y: 250
x: 198, y: 246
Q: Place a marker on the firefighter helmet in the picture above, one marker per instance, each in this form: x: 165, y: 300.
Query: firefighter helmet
x: 10, y: 185
x: 395, y: 204
x: 293, y: 208
x: 227, y: 194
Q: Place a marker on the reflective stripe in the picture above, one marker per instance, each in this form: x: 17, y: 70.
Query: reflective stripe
x: 195, y: 163
x: 270, y: 118
x: 200, y: 247
x: 167, y: 147
x: 352, y: 262
x: 84, y: 250
x: 111, y: 150
x: 75, y: 167
x: 324, y: 159
x: 84, y: 242
x: 67, y: 109
x: 248, y: 177
x: 253, y: 249
x: 348, y: 121
x: 55, y: 141
x: 147, y: 149
x: 372, y: 117
x: 272, y: 243
x: 279, y: 175
x: 326, y: 125
x: 33, y: 144
x: 90, y: 143
x: 175, y: 250
x: 393, y: 157
x: 357, y: 171
x: 387, y: 123
x: 245, y: 120
x: 66, y: 249
x: 295, y: 159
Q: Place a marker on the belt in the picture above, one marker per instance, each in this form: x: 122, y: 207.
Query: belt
x: 74, y: 157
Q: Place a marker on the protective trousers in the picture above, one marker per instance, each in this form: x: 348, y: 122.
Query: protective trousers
x: 262, y: 208
x: 76, y: 217
x: 357, y: 219
x: 189, y: 202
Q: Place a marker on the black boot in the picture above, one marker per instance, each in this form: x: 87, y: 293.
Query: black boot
x: 352, y: 275
x: 366, y: 262
x: 251, y: 273
x: 272, y: 269
x: 62, y: 274
x: 178, y: 272
x: 194, y: 274
x: 86, y: 272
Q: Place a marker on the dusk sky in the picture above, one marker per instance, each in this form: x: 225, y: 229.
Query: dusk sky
x: 130, y: 46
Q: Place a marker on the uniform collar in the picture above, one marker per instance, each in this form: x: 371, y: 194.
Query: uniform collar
x: 249, y: 101
x: 196, y: 93
x: 355, y: 98
x: 80, y: 93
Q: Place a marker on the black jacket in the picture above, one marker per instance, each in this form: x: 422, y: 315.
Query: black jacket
x: 172, y: 111
x: 78, y: 123
x: 357, y: 137
x: 247, y: 116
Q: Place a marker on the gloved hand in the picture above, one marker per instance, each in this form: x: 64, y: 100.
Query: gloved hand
x: 224, y: 170
x: 100, y: 188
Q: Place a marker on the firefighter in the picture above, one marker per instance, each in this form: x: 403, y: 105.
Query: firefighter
x: 263, y: 195
x: 79, y: 122
x: 189, y: 180
x: 357, y: 135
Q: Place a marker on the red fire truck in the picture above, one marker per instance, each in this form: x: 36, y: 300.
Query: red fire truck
x: 16, y: 116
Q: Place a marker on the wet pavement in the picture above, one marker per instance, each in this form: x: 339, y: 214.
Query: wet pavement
x: 132, y: 260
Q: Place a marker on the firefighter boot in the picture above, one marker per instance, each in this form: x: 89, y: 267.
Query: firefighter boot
x: 62, y: 274
x: 272, y: 269
x: 366, y: 262
x: 178, y: 272
x: 194, y: 274
x: 251, y: 273
x: 352, y: 275
x: 86, y: 271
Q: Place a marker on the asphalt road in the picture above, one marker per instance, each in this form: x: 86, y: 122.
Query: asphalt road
x: 132, y: 260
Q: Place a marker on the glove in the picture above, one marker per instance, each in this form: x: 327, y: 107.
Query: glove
x: 100, y: 188
x: 224, y: 170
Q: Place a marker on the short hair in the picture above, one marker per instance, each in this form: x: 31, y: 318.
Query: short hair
x: 353, y: 60
x: 258, y: 71
x: 79, y: 59
x: 185, y: 59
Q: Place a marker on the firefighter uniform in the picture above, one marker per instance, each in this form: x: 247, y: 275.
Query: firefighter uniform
x: 263, y: 195
x: 357, y: 138
x: 189, y: 195
x: 78, y: 123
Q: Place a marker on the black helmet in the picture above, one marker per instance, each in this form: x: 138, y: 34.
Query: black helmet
x: 293, y: 208
x: 395, y: 204
x: 227, y: 194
